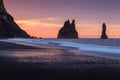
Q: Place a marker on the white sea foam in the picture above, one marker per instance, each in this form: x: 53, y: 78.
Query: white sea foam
x: 80, y: 46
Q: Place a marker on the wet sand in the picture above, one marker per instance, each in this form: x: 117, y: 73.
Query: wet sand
x: 13, y: 46
x: 59, y: 64
x: 103, y: 42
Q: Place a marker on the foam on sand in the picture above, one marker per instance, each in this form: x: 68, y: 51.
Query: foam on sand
x: 80, y: 46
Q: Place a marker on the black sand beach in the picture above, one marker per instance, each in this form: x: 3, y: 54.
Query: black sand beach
x: 60, y: 65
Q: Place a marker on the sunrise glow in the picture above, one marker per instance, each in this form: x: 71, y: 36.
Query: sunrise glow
x: 44, y: 18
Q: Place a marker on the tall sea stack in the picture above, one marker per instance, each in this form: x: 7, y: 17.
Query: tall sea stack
x: 104, y: 36
x: 68, y: 31
x: 8, y: 28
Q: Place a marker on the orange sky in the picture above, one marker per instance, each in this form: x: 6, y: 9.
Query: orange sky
x: 44, y: 18
x: 50, y: 30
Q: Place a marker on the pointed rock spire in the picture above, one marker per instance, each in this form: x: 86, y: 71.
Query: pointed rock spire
x: 68, y: 31
x: 104, y: 35
x: 73, y: 22
x: 8, y: 28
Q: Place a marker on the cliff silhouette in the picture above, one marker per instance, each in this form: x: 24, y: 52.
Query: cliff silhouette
x: 8, y: 27
x: 68, y: 31
x: 104, y: 35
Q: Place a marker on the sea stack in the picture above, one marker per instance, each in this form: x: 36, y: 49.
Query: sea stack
x: 8, y: 27
x: 68, y: 31
x: 104, y: 35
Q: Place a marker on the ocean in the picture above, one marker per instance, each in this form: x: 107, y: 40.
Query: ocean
x: 101, y: 47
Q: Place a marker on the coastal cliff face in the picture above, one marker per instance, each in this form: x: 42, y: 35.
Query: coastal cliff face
x: 68, y: 31
x: 8, y: 27
x: 104, y: 35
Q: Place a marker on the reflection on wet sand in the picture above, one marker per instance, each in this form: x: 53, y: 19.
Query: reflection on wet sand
x: 59, y: 58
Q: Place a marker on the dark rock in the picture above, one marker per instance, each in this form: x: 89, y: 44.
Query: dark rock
x: 104, y: 36
x: 68, y: 31
x: 8, y: 28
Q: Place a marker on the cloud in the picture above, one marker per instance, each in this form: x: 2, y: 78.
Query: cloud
x: 38, y: 23
x: 49, y: 19
x: 27, y: 22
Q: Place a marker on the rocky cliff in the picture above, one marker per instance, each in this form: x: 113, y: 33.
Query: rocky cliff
x: 8, y: 28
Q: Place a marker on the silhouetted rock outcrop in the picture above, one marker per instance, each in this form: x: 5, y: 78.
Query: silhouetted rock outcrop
x: 68, y: 31
x: 8, y: 28
x: 104, y: 36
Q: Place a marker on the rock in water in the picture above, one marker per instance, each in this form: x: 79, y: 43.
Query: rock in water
x: 8, y: 28
x: 68, y: 31
x: 104, y: 36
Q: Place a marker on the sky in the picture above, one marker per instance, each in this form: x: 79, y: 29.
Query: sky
x: 44, y: 18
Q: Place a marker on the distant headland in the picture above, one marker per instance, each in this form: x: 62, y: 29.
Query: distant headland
x: 8, y: 28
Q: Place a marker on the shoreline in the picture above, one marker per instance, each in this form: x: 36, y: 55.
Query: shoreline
x: 13, y: 46
x: 12, y: 69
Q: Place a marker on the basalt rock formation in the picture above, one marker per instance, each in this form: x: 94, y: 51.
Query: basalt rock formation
x: 104, y: 35
x: 8, y: 28
x: 68, y: 31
